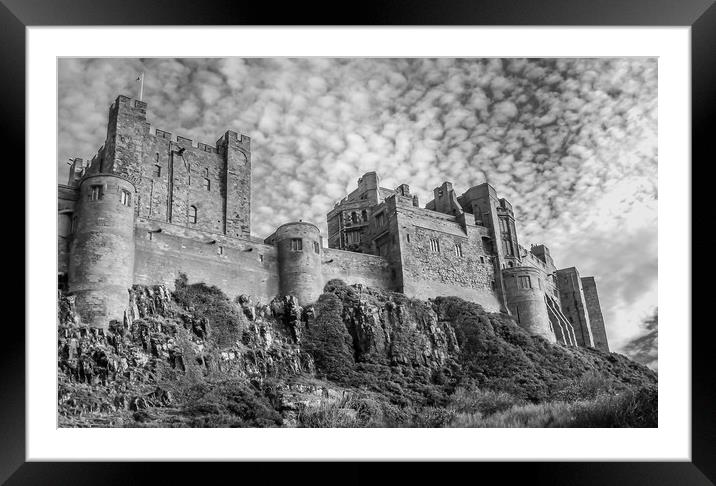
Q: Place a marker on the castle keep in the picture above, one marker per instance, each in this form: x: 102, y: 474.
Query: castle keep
x: 150, y: 206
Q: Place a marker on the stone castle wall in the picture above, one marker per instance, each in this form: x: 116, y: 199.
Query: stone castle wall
x: 460, y: 266
x: 357, y: 268
x: 594, y: 310
x: 235, y: 266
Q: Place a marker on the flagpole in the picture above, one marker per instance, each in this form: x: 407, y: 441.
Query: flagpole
x: 141, y: 86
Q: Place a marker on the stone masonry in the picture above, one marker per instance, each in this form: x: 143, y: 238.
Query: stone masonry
x: 150, y: 206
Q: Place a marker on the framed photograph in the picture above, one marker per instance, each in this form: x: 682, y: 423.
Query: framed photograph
x: 431, y: 234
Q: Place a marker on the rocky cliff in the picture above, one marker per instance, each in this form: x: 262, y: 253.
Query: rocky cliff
x: 357, y: 357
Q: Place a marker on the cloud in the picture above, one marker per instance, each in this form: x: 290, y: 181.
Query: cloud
x: 570, y: 142
x: 644, y: 348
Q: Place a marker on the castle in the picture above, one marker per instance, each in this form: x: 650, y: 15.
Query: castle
x: 149, y: 207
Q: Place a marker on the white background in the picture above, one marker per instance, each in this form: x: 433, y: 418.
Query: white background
x: 671, y: 441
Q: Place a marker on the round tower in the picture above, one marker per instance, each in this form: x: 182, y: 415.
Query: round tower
x: 524, y: 288
x: 299, y: 261
x: 101, y: 268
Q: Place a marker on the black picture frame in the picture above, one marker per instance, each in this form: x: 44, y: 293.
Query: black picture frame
x: 700, y: 15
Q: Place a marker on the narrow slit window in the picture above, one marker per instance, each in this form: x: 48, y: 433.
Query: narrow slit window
x: 125, y: 198
x: 157, y: 170
x: 316, y: 247
x: 96, y: 192
x: 458, y: 249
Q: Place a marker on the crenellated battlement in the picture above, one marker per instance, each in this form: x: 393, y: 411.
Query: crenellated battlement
x: 139, y: 108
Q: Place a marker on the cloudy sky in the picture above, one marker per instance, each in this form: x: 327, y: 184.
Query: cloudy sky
x: 572, y: 143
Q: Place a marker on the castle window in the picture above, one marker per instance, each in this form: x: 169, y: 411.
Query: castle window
x: 96, y: 193
x: 125, y: 198
x: 511, y: 264
x: 296, y: 244
x: 525, y: 282
x: 458, y: 249
x: 156, y: 157
x: 503, y: 225
x: 482, y: 259
x: 207, y: 184
x: 364, y: 214
x: 434, y: 245
x: 192, y: 214
x: 157, y: 170
x: 354, y: 217
x: 380, y: 220
x: 261, y: 258
x: 220, y: 250
x: 353, y: 237
x: 407, y: 237
x: 316, y: 247
x: 507, y: 246
x: 206, y: 172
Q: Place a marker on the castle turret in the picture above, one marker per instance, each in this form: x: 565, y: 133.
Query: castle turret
x: 524, y: 287
x: 299, y: 260
x: 369, y: 187
x: 236, y: 151
x: 101, y: 266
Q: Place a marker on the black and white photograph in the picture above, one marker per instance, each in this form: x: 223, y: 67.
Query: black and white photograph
x: 357, y: 242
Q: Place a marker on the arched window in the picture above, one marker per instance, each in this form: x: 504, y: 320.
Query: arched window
x: 354, y: 217
x: 192, y: 214
x: 364, y: 215
x: 207, y: 184
x: 206, y: 172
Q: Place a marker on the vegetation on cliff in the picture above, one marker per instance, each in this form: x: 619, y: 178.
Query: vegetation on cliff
x: 359, y: 357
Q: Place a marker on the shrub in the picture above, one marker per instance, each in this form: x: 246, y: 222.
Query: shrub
x: 328, y: 340
x: 232, y: 404
x: 328, y: 415
x: 225, y: 320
